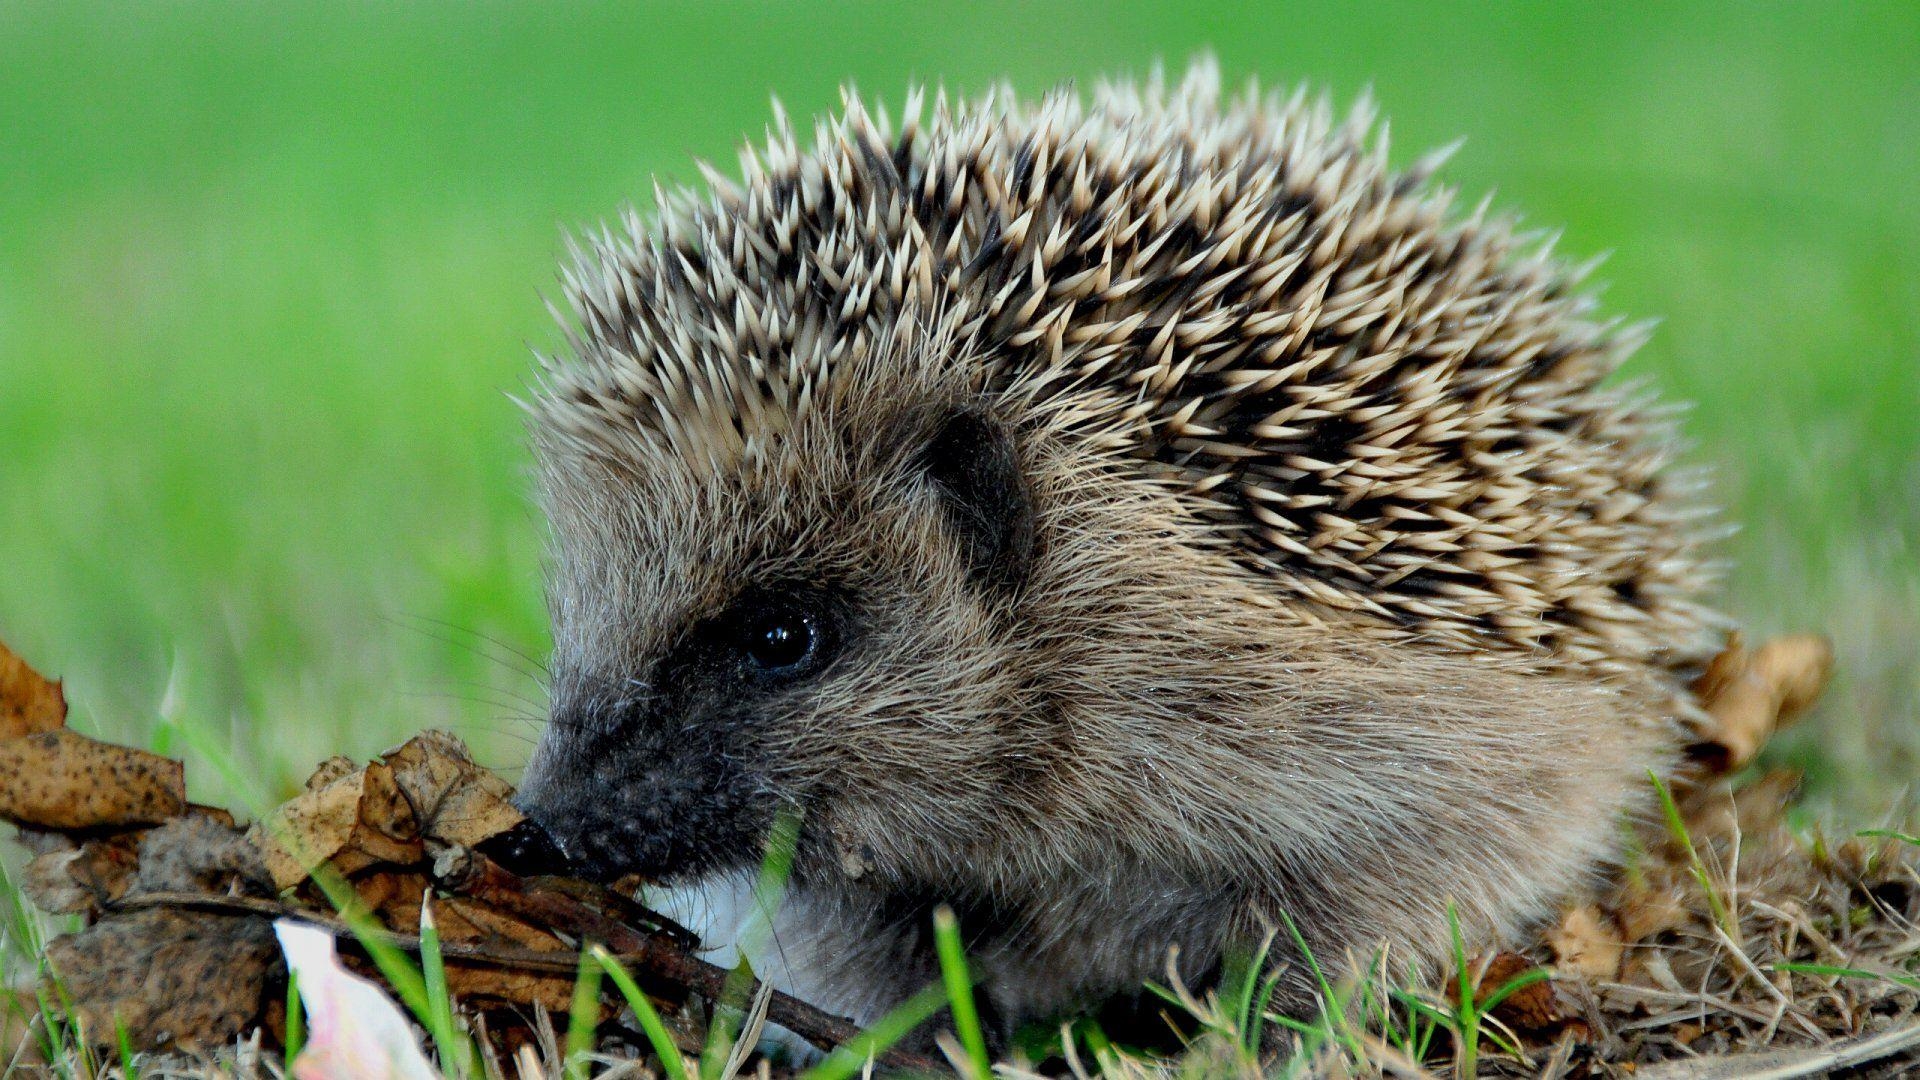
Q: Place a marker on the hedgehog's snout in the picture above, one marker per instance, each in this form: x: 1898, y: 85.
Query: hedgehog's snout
x: 614, y: 793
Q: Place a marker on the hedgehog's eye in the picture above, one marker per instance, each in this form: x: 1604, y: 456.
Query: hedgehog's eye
x: 782, y: 640
x: 777, y: 634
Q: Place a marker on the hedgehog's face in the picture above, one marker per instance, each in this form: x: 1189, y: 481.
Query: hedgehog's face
x: 829, y: 625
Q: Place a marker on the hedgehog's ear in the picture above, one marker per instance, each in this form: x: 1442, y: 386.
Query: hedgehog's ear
x: 971, y: 458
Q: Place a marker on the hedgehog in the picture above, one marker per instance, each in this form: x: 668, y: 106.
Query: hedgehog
x: 1138, y: 523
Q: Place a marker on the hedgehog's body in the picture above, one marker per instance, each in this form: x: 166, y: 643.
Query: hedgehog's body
x: 1127, y: 524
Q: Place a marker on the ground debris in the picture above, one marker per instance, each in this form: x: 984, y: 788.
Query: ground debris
x: 1751, y: 694
x: 172, y: 978
x: 1730, y: 944
x: 178, y: 949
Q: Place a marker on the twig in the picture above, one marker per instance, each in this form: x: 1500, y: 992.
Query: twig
x: 1790, y: 1064
x: 645, y: 954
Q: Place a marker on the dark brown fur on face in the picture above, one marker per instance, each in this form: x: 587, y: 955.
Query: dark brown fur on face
x: 1187, y: 529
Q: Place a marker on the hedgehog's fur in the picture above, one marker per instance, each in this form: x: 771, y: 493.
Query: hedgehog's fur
x: 1349, y: 591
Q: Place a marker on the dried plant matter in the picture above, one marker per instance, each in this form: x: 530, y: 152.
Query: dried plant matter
x: 180, y: 902
x: 1730, y: 947
x: 28, y: 702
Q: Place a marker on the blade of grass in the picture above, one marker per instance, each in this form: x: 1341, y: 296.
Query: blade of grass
x: 959, y: 986
x: 455, y: 1051
x: 853, y: 1057
x: 1895, y: 834
x: 1467, y: 1048
x: 1512, y: 986
x: 296, y: 1018
x: 655, y: 1029
x: 1257, y: 1024
x: 1832, y: 972
x: 128, y: 1069
x: 1678, y: 827
x: 1472, y: 1009
x: 583, y: 1018
x: 1332, y: 1007
x: 1246, y: 986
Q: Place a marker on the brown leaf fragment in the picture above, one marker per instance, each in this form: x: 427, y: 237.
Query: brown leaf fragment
x: 455, y: 800
x: 64, y: 780
x: 50, y: 883
x: 1760, y: 805
x: 41, y: 841
x: 173, y: 979
x: 83, y: 878
x: 1750, y: 695
x: 475, y: 983
x: 213, y: 813
x: 385, y: 810
x: 332, y: 769
x: 1586, y: 943
x: 1530, y: 1010
x: 1645, y: 911
x: 358, y: 820
x: 462, y: 919
x: 394, y: 897
x: 201, y: 854
x: 29, y: 702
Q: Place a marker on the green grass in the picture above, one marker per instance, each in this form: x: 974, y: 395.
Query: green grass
x: 959, y: 988
x: 268, y: 271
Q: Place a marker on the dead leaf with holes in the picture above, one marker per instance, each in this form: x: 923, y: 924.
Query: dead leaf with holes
x: 427, y: 791
x: 454, y: 800
x: 354, y: 821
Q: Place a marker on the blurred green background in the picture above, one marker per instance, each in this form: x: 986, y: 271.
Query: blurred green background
x: 267, y: 273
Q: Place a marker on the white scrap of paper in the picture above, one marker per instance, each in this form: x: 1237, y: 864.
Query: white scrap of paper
x: 354, y: 1030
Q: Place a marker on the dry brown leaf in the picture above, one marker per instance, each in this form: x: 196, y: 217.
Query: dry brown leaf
x: 50, y: 883
x: 471, y: 982
x: 358, y: 820
x: 1750, y: 695
x: 29, y: 702
x: 1530, y: 1010
x: 394, y: 897
x: 454, y: 800
x: 467, y: 920
x: 332, y: 769
x: 214, y: 814
x: 1716, y: 813
x: 1586, y: 943
x: 201, y: 854
x: 63, y: 780
x: 1643, y: 912
x: 83, y: 878
x: 171, y: 978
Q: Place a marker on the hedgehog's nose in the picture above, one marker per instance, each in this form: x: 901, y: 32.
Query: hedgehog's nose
x: 527, y: 849
x: 558, y: 837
